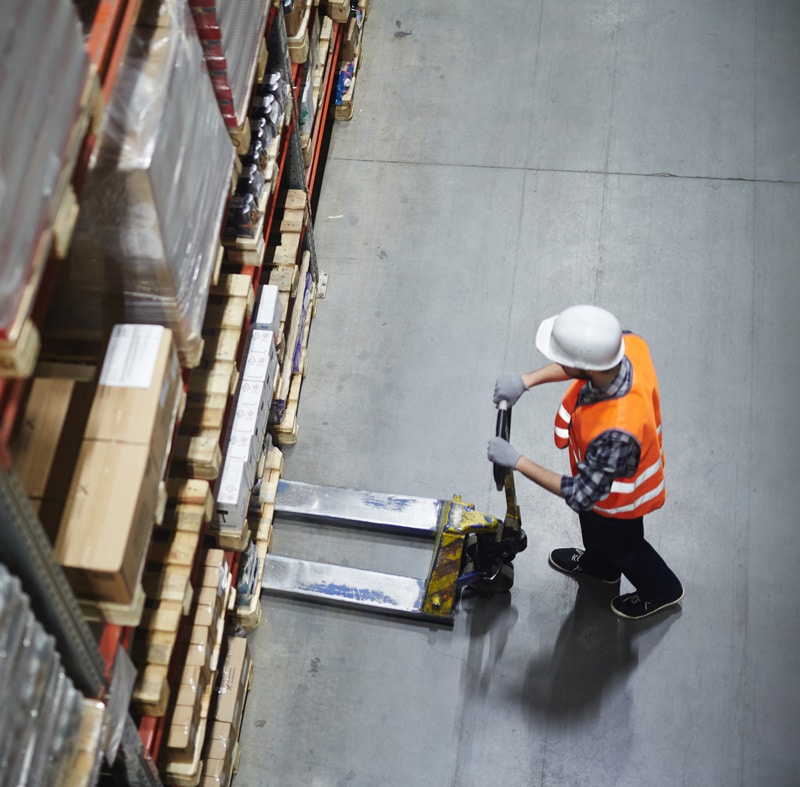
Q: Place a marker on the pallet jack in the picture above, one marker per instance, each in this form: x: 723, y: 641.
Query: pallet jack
x: 471, y: 550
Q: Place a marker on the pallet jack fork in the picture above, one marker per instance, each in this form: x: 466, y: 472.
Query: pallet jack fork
x: 471, y: 550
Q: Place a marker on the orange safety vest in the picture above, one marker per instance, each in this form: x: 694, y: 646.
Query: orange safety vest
x: 638, y: 412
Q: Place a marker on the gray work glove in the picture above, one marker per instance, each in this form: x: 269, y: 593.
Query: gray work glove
x: 502, y: 453
x: 509, y: 387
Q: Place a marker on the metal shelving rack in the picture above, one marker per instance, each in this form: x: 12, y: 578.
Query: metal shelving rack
x: 90, y: 656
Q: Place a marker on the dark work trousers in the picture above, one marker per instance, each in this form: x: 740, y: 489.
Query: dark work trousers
x: 614, y: 545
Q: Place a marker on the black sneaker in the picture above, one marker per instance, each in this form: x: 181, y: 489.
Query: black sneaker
x: 630, y: 606
x: 568, y: 560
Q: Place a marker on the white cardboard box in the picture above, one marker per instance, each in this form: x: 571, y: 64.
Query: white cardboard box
x: 233, y: 496
x: 268, y: 311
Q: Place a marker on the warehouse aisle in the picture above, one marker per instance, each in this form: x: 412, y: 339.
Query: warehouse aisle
x: 505, y: 160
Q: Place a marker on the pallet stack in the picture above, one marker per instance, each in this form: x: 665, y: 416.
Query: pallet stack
x: 190, y: 560
x: 198, y: 447
x: 172, y: 557
x: 349, y: 54
x: 161, y: 156
x: 290, y: 273
x: 232, y: 35
x: 42, y: 130
x: 198, y: 673
x: 108, y: 516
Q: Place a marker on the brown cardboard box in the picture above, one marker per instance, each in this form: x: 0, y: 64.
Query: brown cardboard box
x: 199, y: 656
x: 214, y: 557
x: 194, y: 679
x: 105, y: 529
x: 295, y: 17
x: 207, y: 607
x: 216, y: 772
x: 198, y: 635
x: 46, y: 442
x: 221, y: 740
x: 139, y: 390
x: 183, y: 728
x: 232, y: 681
x: 347, y: 51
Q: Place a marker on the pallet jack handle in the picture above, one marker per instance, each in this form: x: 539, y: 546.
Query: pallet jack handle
x: 502, y: 429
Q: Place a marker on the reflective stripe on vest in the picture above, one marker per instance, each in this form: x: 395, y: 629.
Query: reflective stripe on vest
x: 638, y: 412
x: 622, y: 487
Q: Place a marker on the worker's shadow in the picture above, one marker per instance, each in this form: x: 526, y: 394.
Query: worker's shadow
x: 490, y: 621
x: 594, y: 653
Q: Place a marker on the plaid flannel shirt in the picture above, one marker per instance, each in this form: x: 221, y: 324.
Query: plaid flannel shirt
x: 612, y: 454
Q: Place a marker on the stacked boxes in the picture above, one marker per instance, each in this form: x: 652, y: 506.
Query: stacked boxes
x: 162, y: 156
x: 45, y: 69
x: 188, y: 720
x: 234, y: 682
x: 231, y: 32
x: 297, y: 31
x: 47, y: 440
x: 245, y: 437
x: 112, y: 501
x: 42, y: 709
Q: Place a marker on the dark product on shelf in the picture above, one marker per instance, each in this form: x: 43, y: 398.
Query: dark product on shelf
x: 275, y: 85
x: 251, y: 181
x: 262, y: 131
x: 268, y: 108
x: 256, y: 154
x: 243, y: 216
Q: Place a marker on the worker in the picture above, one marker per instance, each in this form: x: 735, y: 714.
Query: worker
x: 610, y: 420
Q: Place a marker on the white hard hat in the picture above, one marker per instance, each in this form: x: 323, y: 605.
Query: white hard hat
x: 582, y: 337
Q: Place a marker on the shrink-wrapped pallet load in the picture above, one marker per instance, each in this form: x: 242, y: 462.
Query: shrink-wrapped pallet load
x: 44, y: 69
x: 232, y: 33
x: 147, y: 238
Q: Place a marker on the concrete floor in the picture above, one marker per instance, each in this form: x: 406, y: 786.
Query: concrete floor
x: 508, y: 159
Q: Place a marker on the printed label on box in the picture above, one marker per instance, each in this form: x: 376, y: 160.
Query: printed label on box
x: 131, y: 356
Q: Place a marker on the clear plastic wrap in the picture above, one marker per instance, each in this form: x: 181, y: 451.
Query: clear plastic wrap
x: 147, y: 236
x: 42, y: 711
x: 44, y: 69
x: 242, y: 23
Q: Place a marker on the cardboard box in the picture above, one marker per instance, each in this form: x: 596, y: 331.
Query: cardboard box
x: 215, y: 577
x: 108, y: 517
x: 49, y: 435
x: 215, y: 557
x: 260, y: 352
x: 46, y: 443
x: 207, y: 607
x: 233, y: 496
x: 183, y: 728
x: 244, y: 447
x: 268, y: 311
x: 221, y: 740
x: 294, y: 18
x: 350, y: 37
x: 199, y: 656
x: 233, y: 681
x: 216, y: 772
x: 194, y: 679
x: 139, y: 390
x: 201, y: 634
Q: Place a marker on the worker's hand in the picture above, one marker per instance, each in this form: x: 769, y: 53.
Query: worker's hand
x: 502, y: 453
x: 509, y: 387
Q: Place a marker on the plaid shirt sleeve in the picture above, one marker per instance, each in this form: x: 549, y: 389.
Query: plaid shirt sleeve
x: 612, y: 454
